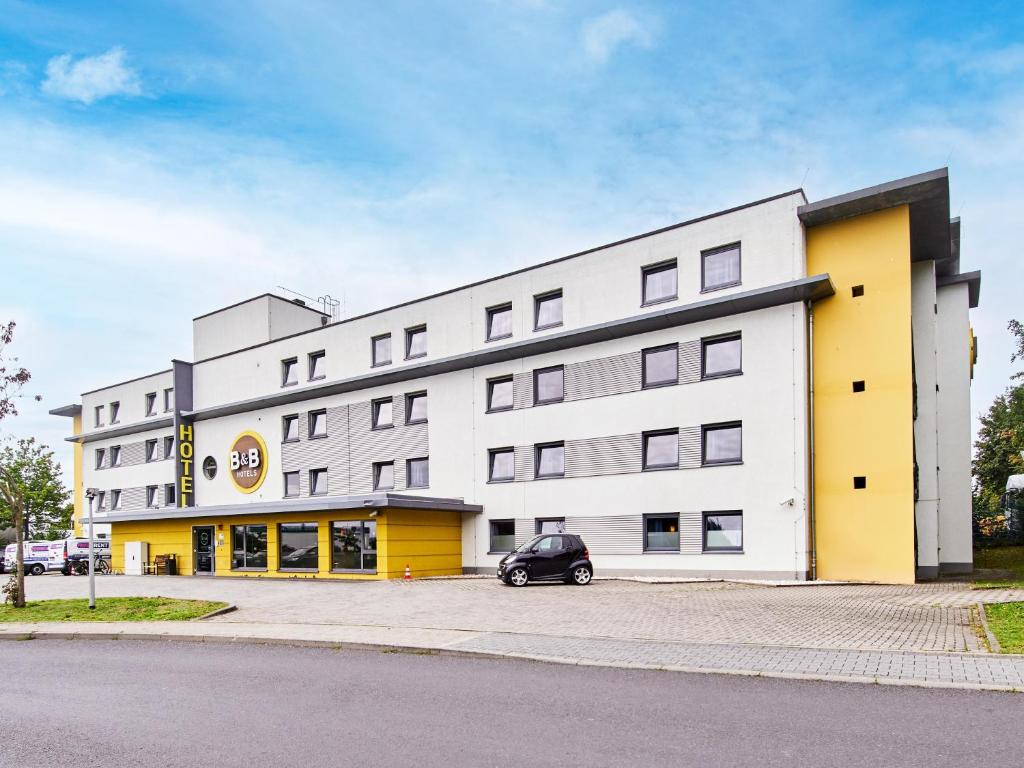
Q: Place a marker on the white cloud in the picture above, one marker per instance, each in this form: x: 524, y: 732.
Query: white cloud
x: 91, y: 78
x: 604, y: 33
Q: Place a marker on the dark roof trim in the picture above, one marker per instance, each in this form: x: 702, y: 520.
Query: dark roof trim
x: 371, y: 501
x: 129, y: 381
x: 257, y: 298
x: 127, y: 429
x: 652, y: 233
x: 804, y: 289
x: 973, y: 280
x: 67, y: 410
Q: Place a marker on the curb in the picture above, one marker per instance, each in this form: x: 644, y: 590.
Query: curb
x: 993, y: 643
x: 218, y: 612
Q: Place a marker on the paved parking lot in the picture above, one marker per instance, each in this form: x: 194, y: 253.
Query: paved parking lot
x: 928, y: 617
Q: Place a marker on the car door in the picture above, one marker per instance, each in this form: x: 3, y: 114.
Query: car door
x: 552, y: 557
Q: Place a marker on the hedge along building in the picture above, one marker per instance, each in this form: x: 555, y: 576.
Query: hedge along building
x: 777, y: 390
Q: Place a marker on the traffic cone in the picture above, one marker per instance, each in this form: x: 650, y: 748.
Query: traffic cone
x: 408, y: 573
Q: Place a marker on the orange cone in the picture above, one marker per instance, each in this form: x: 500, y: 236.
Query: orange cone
x: 408, y: 573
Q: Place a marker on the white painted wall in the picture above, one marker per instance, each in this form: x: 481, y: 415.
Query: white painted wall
x: 926, y: 509
x: 255, y: 321
x: 132, y: 396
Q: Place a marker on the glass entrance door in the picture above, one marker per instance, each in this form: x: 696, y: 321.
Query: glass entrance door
x: 202, y: 550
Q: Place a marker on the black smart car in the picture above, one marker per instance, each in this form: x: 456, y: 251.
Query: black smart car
x: 548, y: 557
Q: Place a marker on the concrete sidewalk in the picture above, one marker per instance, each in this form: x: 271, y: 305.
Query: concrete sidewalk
x: 947, y: 670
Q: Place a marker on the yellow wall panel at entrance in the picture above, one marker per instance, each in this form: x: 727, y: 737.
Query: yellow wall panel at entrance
x: 864, y: 534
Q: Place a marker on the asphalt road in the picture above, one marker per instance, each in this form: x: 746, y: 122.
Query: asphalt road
x: 126, y: 703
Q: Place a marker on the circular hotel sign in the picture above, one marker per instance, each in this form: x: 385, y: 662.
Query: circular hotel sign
x: 248, y: 462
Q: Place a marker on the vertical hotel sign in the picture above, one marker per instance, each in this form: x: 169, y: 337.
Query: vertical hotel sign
x: 186, y: 462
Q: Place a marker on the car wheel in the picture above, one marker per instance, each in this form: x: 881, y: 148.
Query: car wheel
x: 518, y: 577
x: 581, y: 575
x: 37, y: 569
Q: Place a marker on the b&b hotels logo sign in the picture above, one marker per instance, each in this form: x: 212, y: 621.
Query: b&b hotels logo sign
x: 248, y: 462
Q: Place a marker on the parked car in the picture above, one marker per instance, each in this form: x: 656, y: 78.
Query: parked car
x: 548, y: 557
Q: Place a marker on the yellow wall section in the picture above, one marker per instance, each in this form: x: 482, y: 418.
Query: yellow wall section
x: 864, y: 535
x: 429, y: 542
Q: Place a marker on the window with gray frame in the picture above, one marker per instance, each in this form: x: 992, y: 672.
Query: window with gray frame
x: 170, y: 495
x: 150, y: 450
x: 547, y: 310
x: 99, y: 499
x: 721, y: 356
x: 151, y: 403
x: 318, y: 423
x: 98, y: 416
x: 501, y: 465
x: 382, y: 413
x: 289, y: 372
x: 100, y: 456
x: 384, y: 476
x: 248, y: 547
x: 291, y: 484
x: 115, y: 412
x: 499, y: 322
x: 661, y: 449
x: 317, y: 365
x: 290, y: 428
x: 169, y: 447
x: 115, y: 499
x: 152, y: 497
x: 297, y: 545
x: 659, y: 282
x: 661, y: 533
x: 415, y: 342
x: 723, y: 531
x: 499, y: 394
x: 720, y: 267
x: 417, y: 473
x: 115, y: 455
x: 381, y: 349
x: 318, y: 482
x: 660, y: 366
x: 354, y: 545
x: 549, y: 385
x: 550, y: 460
x: 549, y: 525
x: 503, y: 536
x: 416, y: 408
x: 169, y: 399
x: 722, y: 443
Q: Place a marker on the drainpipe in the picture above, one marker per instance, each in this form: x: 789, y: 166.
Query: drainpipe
x: 810, y: 429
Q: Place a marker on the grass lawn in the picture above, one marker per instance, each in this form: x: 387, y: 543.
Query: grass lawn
x: 1004, y: 559
x: 110, y: 609
x: 1006, y: 620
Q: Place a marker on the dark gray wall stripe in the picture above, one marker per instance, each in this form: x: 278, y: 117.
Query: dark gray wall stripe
x: 614, y: 455
x: 689, y: 447
x: 524, y: 462
x: 604, y: 376
x: 691, y: 538
x: 525, y: 527
x: 609, y: 534
x: 689, y: 361
x: 522, y: 390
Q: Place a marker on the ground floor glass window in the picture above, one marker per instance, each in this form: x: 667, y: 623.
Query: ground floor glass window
x: 723, y: 531
x: 298, y: 546
x: 249, y: 546
x: 503, y: 535
x: 354, y: 545
x: 661, y: 533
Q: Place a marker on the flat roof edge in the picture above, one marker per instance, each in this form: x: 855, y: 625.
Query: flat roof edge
x: 127, y: 429
x: 66, y: 410
x: 869, y: 199
x: 973, y: 281
x: 267, y: 295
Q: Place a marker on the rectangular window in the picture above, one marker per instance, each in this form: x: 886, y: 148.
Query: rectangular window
x: 115, y: 412
x: 384, y: 476
x: 115, y: 499
x: 291, y: 484
x: 723, y: 443
x: 100, y: 455
x: 723, y: 531
x: 115, y: 455
x: 548, y: 385
x: 318, y: 423
x: 547, y: 311
x: 318, y: 482
x: 150, y: 450
x: 499, y: 322
x: 151, y: 403
x: 720, y: 267
x: 503, y: 536
x: 661, y: 449
x: 169, y: 447
x: 290, y: 428
x: 415, y: 342
x: 382, y: 413
x: 297, y: 546
x: 169, y: 399
x: 661, y: 533
x: 721, y: 356
x: 317, y: 365
x: 99, y: 499
x: 289, y: 372
x: 354, y: 545
x: 549, y: 525
x: 381, y: 349
x: 416, y: 408
x: 660, y: 283
x: 661, y: 365
x: 499, y: 394
x: 248, y: 547
x: 501, y: 465
x: 98, y: 416
x: 550, y: 460
x: 417, y: 473
x: 152, y: 499
x: 169, y: 495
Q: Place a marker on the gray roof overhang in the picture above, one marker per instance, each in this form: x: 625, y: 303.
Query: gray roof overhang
x: 973, y: 280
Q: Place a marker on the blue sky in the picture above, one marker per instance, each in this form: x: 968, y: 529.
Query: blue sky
x: 161, y: 160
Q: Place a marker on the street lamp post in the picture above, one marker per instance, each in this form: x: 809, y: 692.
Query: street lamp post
x: 90, y: 494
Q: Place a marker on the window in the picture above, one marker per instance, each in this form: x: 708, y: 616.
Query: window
x: 169, y: 447
x: 98, y: 416
x: 548, y: 385
x: 354, y: 545
x: 723, y: 531
x: 499, y: 394
x: 723, y: 444
x: 115, y: 455
x: 115, y: 499
x: 858, y: 386
x: 100, y: 455
x: 152, y: 500
x: 381, y: 349
x: 297, y: 546
x: 151, y: 450
x: 499, y: 322
x: 291, y: 484
x: 210, y: 467
x: 289, y: 372
x: 860, y: 482
x: 720, y: 267
x: 317, y: 365
x: 661, y: 533
x: 503, y: 536
x: 857, y: 291
x: 318, y: 423
x: 151, y: 404
x: 384, y: 476
x: 248, y: 547
x: 417, y: 473
x: 416, y: 408
x: 100, y: 496
x: 661, y: 366
x: 115, y: 412
x: 290, y: 428
x: 547, y: 312
x: 169, y: 399
x: 169, y: 494
x: 550, y: 460
x: 318, y: 482
x: 551, y: 544
x: 382, y: 413
x: 661, y: 449
x: 549, y: 525
x: 721, y: 356
x: 501, y: 465
x: 415, y: 342
x: 659, y: 283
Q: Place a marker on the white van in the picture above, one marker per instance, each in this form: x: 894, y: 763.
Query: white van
x: 36, y: 554
x: 75, y: 549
